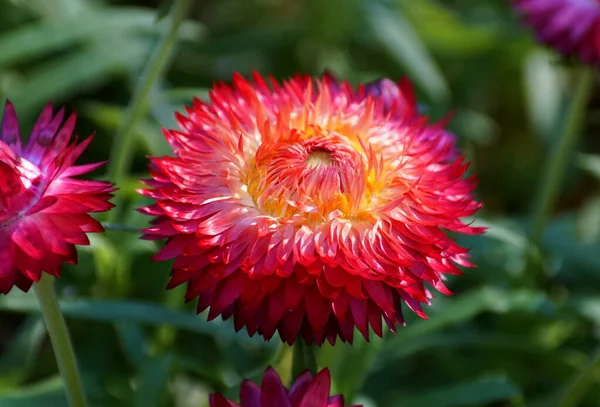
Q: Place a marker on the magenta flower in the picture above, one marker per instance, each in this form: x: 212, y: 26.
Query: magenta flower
x: 44, y: 210
x: 570, y: 26
x: 307, y: 391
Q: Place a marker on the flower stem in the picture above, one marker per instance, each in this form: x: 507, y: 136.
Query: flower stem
x: 581, y: 383
x: 303, y: 359
x: 61, y: 343
x: 557, y: 164
x: 119, y: 227
x: 123, y: 145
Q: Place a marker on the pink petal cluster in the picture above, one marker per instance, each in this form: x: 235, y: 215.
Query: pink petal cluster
x: 570, y: 26
x: 309, y: 207
x: 307, y: 391
x: 44, y: 210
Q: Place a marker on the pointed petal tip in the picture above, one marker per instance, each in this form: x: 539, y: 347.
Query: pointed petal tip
x: 88, y: 139
x: 271, y: 372
x: 329, y: 75
x: 218, y: 400
x: 304, y: 375
x: 325, y: 373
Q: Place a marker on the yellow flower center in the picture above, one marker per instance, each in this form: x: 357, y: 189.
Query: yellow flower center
x: 318, y: 158
x: 312, y: 172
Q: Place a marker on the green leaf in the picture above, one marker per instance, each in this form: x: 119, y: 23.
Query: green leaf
x: 588, y: 307
x: 587, y: 226
x: 504, y: 233
x: 590, y: 163
x: 444, y: 31
x: 270, y: 37
x: 130, y: 311
x: 42, y: 38
x: 476, y: 392
x: 112, y: 264
x: 152, y: 386
x: 475, y: 126
x: 163, y: 9
x: 19, y: 359
x: 504, y: 246
x: 561, y: 240
x: 513, y: 238
x: 343, y: 360
x: 395, y: 33
x: 469, y: 340
x: 133, y: 341
x: 544, y: 92
x: 184, y: 94
x: 48, y: 393
x: 188, y: 391
x: 59, y: 78
x: 110, y: 117
x: 55, y: 9
x: 460, y: 309
x: 45, y: 37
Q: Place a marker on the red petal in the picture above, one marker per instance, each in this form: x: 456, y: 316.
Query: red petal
x: 9, y: 129
x: 273, y: 393
x: 217, y: 400
x: 26, y: 235
x: 317, y: 394
x: 249, y: 394
x: 299, y: 388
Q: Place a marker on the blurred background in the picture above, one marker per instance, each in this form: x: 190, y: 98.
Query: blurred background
x: 502, y: 340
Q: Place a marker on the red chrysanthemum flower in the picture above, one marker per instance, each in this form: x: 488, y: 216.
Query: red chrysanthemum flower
x: 43, y: 209
x: 307, y: 391
x: 311, y: 211
x: 570, y: 26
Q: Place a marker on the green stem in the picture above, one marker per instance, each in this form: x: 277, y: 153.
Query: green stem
x: 557, y: 164
x: 61, y: 343
x: 119, y: 228
x: 123, y: 145
x: 303, y: 359
x: 577, y: 389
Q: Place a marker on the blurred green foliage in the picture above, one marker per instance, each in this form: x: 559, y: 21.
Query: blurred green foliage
x: 496, y: 343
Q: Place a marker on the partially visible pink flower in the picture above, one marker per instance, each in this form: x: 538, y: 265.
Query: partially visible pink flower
x: 44, y: 210
x: 307, y: 391
x: 570, y: 26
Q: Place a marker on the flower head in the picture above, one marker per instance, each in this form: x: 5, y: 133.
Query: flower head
x: 309, y: 207
x: 570, y: 26
x: 44, y: 210
x: 306, y: 391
